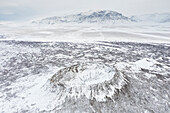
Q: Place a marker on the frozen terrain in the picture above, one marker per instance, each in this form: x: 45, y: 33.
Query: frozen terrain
x: 87, y: 68
x: 27, y: 67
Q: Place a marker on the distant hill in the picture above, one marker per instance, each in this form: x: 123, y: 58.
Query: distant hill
x: 153, y: 18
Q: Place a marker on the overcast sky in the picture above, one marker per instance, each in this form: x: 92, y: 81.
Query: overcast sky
x: 29, y: 9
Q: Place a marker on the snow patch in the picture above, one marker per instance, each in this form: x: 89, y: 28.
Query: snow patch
x: 145, y: 63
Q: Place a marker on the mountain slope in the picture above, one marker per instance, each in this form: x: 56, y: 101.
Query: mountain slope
x: 103, y: 16
x: 153, y: 18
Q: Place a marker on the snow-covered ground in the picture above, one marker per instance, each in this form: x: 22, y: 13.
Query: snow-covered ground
x: 123, y: 68
x: 87, y: 33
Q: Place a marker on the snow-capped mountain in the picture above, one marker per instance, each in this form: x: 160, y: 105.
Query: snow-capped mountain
x: 103, y: 16
x: 153, y: 18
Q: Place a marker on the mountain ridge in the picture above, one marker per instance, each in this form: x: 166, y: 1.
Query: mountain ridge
x: 103, y: 16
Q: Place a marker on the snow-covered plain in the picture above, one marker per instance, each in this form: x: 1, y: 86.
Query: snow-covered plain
x: 87, y: 33
x: 31, y: 55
